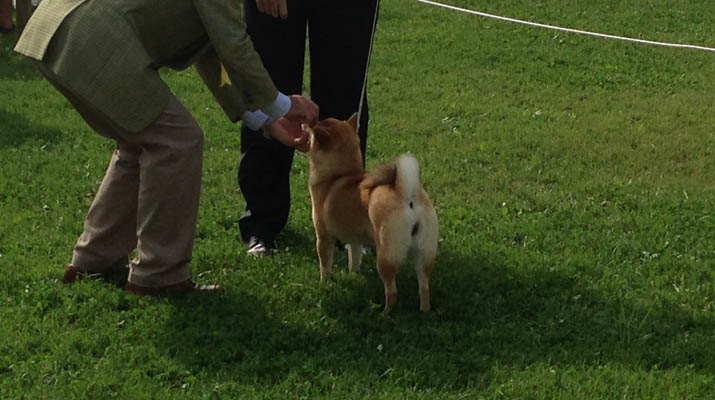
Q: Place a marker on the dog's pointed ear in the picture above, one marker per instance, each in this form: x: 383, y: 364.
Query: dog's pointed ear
x: 353, y: 120
x: 321, y: 137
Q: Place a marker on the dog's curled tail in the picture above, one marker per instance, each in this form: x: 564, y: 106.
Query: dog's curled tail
x: 407, y: 179
x: 403, y: 173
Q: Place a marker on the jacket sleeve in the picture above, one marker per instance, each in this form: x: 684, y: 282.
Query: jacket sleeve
x: 251, y: 87
x: 232, y: 98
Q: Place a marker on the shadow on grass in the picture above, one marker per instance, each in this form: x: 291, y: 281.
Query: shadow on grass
x: 15, y: 128
x: 299, y: 243
x: 14, y: 66
x: 232, y: 333
x: 484, y: 315
x: 18, y: 130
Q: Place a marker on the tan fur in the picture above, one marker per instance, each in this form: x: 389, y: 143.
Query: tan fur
x: 371, y: 208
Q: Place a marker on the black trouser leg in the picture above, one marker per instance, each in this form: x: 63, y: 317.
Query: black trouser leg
x: 340, y: 34
x: 264, y: 167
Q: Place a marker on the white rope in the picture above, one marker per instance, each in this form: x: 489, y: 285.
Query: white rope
x: 367, y: 65
x: 558, y: 28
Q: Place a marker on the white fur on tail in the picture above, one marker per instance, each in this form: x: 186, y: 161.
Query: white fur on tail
x: 408, y: 176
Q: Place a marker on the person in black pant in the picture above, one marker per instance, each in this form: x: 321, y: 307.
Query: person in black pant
x: 339, y: 34
x: 6, y: 25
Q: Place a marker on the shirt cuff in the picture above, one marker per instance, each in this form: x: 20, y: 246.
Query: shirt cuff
x: 254, y: 120
x: 280, y: 107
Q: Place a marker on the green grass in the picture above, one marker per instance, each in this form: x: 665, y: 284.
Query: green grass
x: 574, y: 181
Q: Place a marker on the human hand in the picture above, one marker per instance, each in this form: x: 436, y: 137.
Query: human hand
x: 302, y: 110
x: 289, y: 133
x: 276, y: 8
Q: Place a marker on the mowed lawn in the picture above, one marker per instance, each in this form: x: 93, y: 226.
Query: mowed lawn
x: 574, y: 179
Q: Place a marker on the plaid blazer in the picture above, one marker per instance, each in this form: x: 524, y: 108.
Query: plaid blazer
x: 106, y: 53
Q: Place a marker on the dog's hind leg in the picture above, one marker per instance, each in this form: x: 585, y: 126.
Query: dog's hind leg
x: 325, y: 255
x: 424, y: 271
x: 387, y: 271
x: 354, y: 257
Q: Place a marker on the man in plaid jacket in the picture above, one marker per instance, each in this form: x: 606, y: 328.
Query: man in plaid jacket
x: 103, y: 56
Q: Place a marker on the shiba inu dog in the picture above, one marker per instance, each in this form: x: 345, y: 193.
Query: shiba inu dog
x: 385, y: 207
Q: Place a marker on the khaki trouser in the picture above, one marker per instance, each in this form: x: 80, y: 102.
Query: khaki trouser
x: 149, y: 197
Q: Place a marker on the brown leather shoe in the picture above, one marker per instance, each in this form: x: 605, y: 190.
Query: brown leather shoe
x: 178, y: 289
x: 70, y: 274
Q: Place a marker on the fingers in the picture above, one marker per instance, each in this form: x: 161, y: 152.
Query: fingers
x: 261, y: 4
x: 303, y: 110
x: 283, y: 9
x: 276, y: 8
x: 290, y: 134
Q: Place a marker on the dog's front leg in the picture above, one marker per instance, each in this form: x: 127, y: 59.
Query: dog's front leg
x: 325, y: 255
